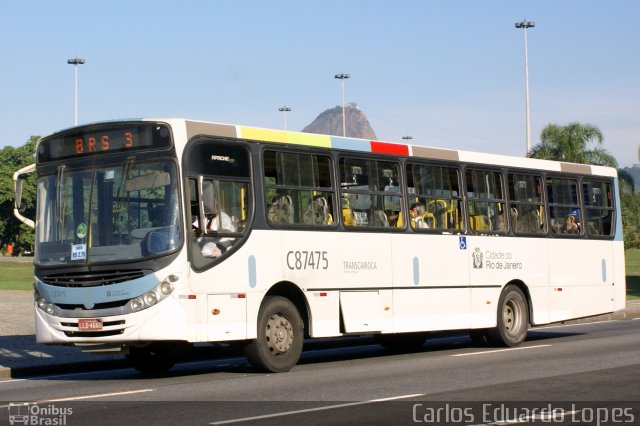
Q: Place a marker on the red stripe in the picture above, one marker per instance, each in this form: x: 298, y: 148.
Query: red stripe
x: 389, y: 148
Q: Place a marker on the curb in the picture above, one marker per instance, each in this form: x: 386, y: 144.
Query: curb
x: 7, y: 373
x: 632, y: 311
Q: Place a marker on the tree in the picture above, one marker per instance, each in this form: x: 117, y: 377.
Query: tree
x: 627, y: 185
x: 11, y: 230
x: 571, y: 143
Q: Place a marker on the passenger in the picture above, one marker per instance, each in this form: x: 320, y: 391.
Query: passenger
x: 502, y: 222
x: 571, y: 225
x: 214, y: 224
x: 221, y: 222
x: 416, y: 220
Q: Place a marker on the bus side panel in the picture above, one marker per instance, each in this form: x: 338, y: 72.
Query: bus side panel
x: 581, y: 277
x: 495, y: 262
x: 326, y: 264
x: 236, y: 287
x: 431, y: 283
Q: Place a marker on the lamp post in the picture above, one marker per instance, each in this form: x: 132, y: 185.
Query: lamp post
x: 342, y: 76
x: 75, y: 62
x: 285, y: 110
x: 524, y: 25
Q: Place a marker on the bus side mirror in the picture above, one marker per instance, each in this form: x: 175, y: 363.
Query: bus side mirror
x: 19, y: 205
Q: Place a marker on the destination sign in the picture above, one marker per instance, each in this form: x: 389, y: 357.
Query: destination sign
x: 103, y: 140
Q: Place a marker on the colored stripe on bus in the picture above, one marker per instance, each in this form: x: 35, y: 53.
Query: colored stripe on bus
x: 310, y: 139
x: 282, y: 136
x: 267, y: 135
x: 389, y: 148
x: 350, y: 143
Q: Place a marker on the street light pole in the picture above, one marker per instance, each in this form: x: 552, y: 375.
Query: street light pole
x: 524, y: 25
x: 75, y: 62
x: 285, y: 110
x: 342, y: 76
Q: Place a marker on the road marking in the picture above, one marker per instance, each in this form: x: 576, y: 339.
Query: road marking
x: 502, y: 350
x: 81, y: 397
x: 311, y: 410
x: 98, y: 395
x: 572, y: 325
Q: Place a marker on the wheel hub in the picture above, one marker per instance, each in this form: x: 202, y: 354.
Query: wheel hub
x: 279, y: 334
x: 512, y: 317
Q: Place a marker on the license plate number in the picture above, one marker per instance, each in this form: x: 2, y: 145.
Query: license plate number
x: 89, y: 324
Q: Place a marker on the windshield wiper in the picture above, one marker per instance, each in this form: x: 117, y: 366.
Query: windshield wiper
x: 60, y: 196
x: 121, y: 190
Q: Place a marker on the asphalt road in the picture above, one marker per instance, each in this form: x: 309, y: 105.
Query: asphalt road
x: 576, y: 372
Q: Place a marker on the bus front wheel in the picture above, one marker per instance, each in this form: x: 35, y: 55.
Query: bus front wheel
x: 513, y: 319
x: 278, y: 345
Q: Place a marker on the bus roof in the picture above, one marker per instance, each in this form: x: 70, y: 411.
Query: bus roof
x: 195, y: 127
x: 383, y: 147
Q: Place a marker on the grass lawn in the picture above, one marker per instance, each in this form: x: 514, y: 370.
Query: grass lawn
x: 632, y: 261
x: 16, y: 276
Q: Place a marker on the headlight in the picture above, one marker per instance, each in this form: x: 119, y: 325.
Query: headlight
x: 153, y: 296
x: 150, y: 298
x: 136, y: 304
x: 166, y: 288
x: 44, y: 304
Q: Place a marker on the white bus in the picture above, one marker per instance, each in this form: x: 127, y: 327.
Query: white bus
x: 158, y: 234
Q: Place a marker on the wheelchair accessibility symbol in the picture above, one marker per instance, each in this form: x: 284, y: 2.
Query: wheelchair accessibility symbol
x: 463, y: 243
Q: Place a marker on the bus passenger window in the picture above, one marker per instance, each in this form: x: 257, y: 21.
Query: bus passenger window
x: 565, y: 214
x: 370, y: 193
x: 298, y: 189
x: 527, y: 205
x: 600, y: 211
x: 485, y: 200
x: 435, y: 189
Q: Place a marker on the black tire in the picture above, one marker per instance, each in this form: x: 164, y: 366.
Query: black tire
x: 278, y: 346
x: 151, y: 359
x: 402, y: 341
x: 513, y: 319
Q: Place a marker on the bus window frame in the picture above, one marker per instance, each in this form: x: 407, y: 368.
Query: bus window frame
x: 504, y: 200
x: 399, y: 162
x: 189, y: 172
x: 458, y: 167
x: 332, y: 190
x: 612, y: 209
x: 580, y: 204
x: 536, y: 173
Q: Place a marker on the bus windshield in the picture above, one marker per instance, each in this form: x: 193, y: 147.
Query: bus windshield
x: 121, y: 212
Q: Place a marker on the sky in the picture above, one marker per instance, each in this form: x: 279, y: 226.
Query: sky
x: 449, y: 74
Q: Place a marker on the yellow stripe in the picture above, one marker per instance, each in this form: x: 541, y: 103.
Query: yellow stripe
x: 259, y: 134
x: 269, y: 135
x: 309, y: 139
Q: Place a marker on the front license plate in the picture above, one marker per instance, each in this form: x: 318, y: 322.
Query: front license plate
x: 89, y: 324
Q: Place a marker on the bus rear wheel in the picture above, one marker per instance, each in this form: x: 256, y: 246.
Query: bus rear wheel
x: 513, y: 319
x: 278, y: 345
